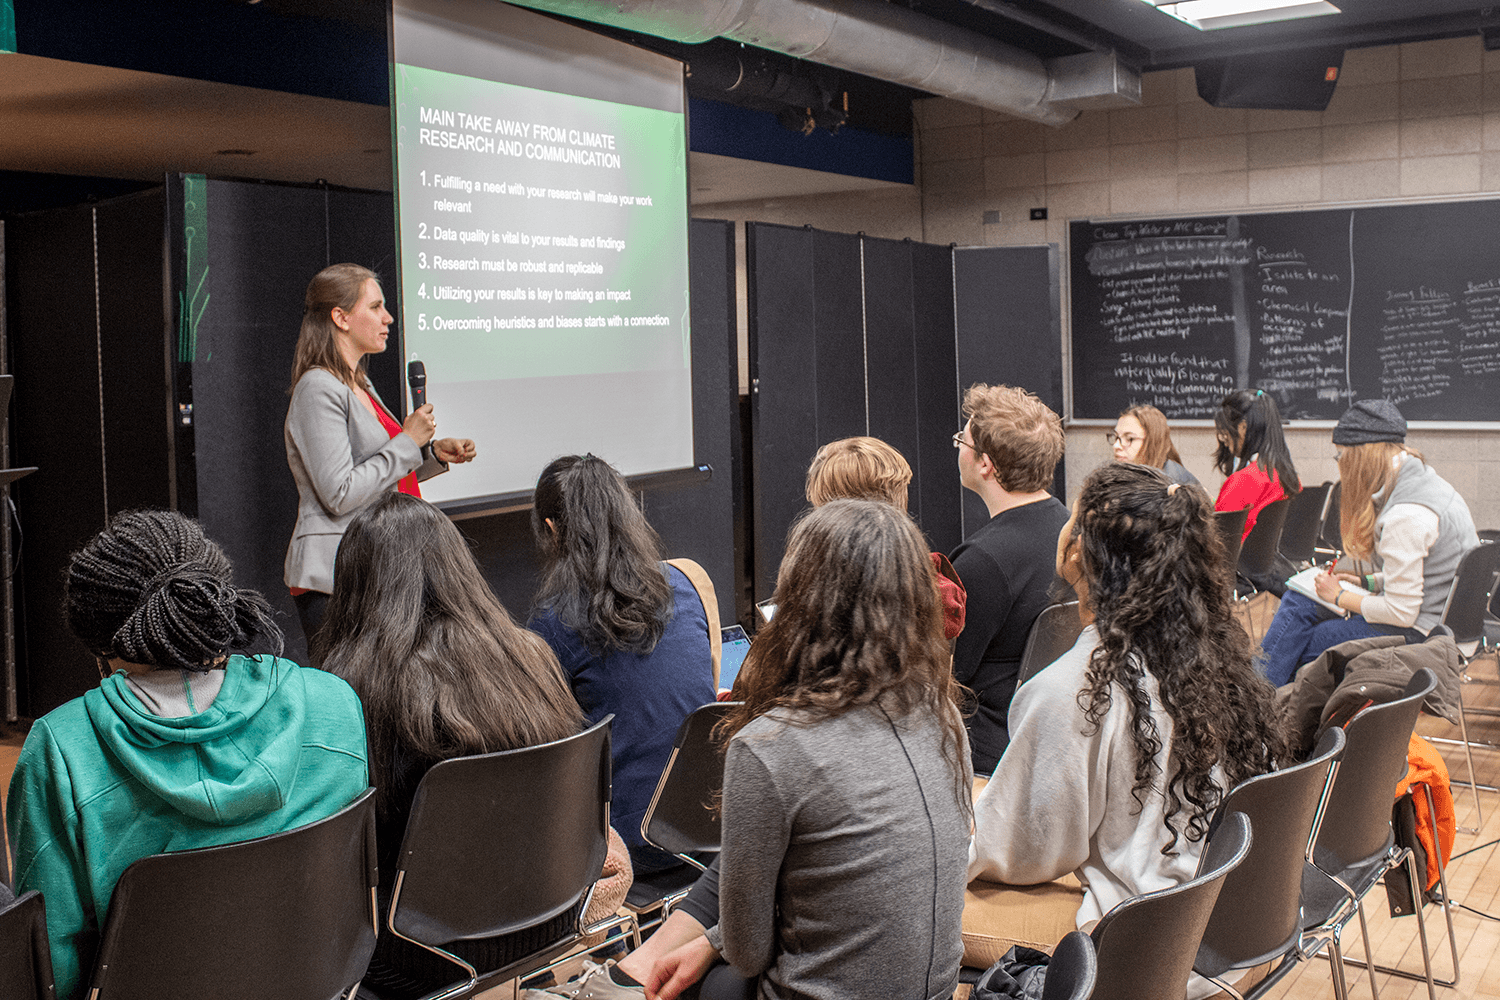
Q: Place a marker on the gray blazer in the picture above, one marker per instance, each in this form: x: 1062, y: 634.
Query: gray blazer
x: 341, y: 458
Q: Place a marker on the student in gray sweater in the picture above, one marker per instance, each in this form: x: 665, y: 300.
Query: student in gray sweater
x: 846, y: 785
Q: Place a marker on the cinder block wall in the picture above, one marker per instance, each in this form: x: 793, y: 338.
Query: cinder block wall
x: 1406, y: 121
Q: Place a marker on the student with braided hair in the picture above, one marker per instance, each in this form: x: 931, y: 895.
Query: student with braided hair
x: 183, y: 744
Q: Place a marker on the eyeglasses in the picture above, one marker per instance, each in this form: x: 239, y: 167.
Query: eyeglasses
x: 959, y: 442
x: 1125, y: 440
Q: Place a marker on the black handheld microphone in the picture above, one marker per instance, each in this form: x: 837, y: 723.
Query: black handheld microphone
x: 416, y: 380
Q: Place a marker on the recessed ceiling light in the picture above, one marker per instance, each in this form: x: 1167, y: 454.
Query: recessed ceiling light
x: 1209, y: 15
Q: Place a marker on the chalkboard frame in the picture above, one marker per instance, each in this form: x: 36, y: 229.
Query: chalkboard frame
x: 1070, y: 418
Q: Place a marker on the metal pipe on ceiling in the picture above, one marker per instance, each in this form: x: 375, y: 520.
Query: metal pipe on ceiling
x: 881, y: 40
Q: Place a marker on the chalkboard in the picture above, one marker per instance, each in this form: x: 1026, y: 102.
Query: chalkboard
x: 1400, y: 302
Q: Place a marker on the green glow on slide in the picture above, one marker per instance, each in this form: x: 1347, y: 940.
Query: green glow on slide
x: 7, y: 26
x: 192, y: 302
x: 491, y: 296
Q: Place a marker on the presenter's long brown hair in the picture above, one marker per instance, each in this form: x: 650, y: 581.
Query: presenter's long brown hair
x: 335, y: 287
x: 857, y: 623
x: 442, y: 669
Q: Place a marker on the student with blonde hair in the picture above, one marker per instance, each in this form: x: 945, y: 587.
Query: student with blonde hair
x: 866, y: 468
x: 1396, y: 513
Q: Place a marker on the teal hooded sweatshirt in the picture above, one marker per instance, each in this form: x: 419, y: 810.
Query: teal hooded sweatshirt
x: 102, y: 782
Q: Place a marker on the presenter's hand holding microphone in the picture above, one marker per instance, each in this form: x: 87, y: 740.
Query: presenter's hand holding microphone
x: 420, y: 424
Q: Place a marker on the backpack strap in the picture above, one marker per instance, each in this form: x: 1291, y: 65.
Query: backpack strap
x: 705, y: 588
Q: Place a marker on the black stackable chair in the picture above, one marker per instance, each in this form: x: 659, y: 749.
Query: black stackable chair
x: 25, y: 957
x: 1258, y: 917
x: 682, y: 818
x: 501, y: 843
x: 1304, y: 524
x: 1258, y: 554
x: 1231, y: 525
x: 290, y: 916
x: 1465, y: 616
x: 1074, y: 966
x: 1356, y: 844
x: 1146, y: 946
x: 1053, y: 633
x: 1331, y: 537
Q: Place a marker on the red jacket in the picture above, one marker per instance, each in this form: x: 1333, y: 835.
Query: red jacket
x: 1249, y: 487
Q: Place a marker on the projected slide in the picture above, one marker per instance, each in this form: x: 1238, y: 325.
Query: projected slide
x: 543, y: 268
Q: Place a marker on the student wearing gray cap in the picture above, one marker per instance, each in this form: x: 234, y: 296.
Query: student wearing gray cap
x: 1396, y: 514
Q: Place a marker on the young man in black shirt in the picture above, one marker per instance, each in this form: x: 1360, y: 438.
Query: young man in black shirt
x: 1007, y: 453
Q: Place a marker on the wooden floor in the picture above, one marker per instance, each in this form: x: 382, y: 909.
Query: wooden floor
x: 1473, y: 880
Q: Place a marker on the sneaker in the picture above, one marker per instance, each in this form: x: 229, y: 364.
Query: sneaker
x: 593, y: 984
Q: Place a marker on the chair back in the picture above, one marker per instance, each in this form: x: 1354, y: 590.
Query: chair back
x: 1469, y: 596
x: 1258, y: 554
x: 290, y: 916
x: 1304, y: 522
x: 683, y: 817
x: 1258, y: 915
x: 1231, y: 525
x: 1357, y: 821
x: 1147, y: 944
x: 25, y: 958
x: 1053, y: 633
x: 1071, y: 973
x: 500, y: 842
x: 1332, y: 535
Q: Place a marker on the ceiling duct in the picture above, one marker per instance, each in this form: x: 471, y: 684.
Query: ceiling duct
x: 880, y: 40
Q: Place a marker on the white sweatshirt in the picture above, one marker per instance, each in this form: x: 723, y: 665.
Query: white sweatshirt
x: 1061, y: 800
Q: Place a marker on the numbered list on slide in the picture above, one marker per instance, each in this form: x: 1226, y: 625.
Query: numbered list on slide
x: 541, y: 235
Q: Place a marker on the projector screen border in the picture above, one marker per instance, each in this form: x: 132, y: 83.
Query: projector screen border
x: 505, y: 503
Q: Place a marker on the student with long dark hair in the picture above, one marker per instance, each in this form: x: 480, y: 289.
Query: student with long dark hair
x: 185, y: 742
x: 1253, y: 454
x: 631, y: 631
x: 1398, y: 515
x: 443, y: 671
x: 1123, y: 747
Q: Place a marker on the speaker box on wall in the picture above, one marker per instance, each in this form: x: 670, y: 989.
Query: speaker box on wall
x: 1297, y: 80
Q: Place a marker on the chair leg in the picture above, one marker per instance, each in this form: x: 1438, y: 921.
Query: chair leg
x: 1364, y: 936
x: 1463, y: 730
x: 1416, y: 884
x: 1336, y: 966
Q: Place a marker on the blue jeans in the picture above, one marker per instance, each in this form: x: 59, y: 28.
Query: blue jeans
x: 1303, y: 629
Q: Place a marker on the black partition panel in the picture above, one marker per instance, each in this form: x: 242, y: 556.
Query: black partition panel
x: 860, y: 336
x: 1007, y: 317
x: 85, y: 314
x: 805, y: 334
x: 697, y: 521
x: 264, y: 242
x: 853, y: 335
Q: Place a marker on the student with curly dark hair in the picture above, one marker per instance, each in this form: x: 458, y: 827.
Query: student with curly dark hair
x: 631, y: 631
x: 183, y: 744
x: 1123, y: 747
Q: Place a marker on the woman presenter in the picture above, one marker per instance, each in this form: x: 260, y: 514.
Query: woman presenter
x: 342, y: 443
